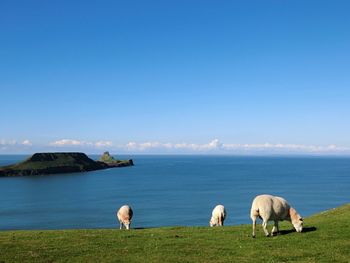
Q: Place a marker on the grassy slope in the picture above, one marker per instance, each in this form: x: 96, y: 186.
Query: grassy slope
x: 327, y: 239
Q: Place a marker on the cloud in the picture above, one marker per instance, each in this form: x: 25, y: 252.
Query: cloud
x: 27, y: 143
x: 211, y: 146
x: 13, y: 146
x: 188, y: 147
x: 7, y: 142
x: 68, y: 142
x: 71, y: 142
x: 103, y: 143
x: 133, y: 146
x: 296, y: 148
x: 215, y: 146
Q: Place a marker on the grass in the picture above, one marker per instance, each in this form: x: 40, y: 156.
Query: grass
x: 326, y: 239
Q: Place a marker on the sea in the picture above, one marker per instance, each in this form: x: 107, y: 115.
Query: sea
x: 170, y: 190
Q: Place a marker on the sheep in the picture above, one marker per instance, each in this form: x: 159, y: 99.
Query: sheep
x: 124, y: 216
x: 218, y: 216
x: 274, y: 208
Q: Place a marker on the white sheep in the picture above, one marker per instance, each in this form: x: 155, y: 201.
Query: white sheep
x: 274, y: 208
x: 124, y: 216
x: 218, y: 216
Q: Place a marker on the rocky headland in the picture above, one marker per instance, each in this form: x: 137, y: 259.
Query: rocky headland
x: 61, y: 162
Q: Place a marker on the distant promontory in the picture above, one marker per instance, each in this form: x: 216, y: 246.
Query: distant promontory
x: 61, y: 162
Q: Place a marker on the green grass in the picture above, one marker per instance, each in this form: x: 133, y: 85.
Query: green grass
x: 326, y: 239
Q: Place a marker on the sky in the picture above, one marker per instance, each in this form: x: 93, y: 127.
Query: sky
x: 231, y: 77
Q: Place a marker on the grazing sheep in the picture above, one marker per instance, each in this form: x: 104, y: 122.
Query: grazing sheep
x: 124, y: 216
x: 274, y: 208
x: 218, y: 216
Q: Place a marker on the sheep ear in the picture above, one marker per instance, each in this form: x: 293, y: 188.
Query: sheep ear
x: 301, y: 219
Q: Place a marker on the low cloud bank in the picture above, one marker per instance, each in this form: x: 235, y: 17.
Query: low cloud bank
x: 71, y: 142
x: 7, y: 145
x: 212, y: 147
x: 215, y: 146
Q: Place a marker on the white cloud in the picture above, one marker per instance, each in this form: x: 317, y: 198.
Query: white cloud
x: 297, y: 148
x: 80, y: 143
x: 131, y: 145
x: 103, y: 143
x: 13, y: 146
x: 189, y: 147
x: 68, y: 142
x: 212, y: 147
x: 27, y: 143
x: 145, y: 146
x: 7, y: 142
x: 215, y: 146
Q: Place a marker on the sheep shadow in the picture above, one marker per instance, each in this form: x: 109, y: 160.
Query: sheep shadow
x: 305, y: 230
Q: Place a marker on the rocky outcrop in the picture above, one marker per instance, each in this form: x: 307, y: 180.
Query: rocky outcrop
x: 107, y: 158
x: 110, y: 161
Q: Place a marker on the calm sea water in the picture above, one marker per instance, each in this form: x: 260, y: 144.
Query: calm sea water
x: 171, y: 190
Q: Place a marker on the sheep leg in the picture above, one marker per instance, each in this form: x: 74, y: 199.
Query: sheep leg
x: 220, y: 221
x: 275, y: 229
x: 120, y: 225
x: 254, y: 226
x: 264, y: 225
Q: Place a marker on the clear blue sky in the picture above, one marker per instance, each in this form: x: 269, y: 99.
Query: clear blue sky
x: 241, y: 72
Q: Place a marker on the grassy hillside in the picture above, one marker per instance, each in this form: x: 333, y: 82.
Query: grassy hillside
x: 326, y: 239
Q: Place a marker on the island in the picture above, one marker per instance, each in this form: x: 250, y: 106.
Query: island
x: 61, y: 162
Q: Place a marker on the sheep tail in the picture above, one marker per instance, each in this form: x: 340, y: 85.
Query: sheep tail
x: 255, y: 213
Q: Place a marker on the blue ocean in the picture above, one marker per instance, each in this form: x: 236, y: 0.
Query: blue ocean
x: 170, y: 190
